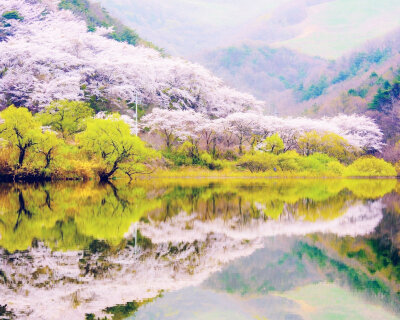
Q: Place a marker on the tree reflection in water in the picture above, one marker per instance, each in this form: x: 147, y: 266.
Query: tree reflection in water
x: 73, y: 243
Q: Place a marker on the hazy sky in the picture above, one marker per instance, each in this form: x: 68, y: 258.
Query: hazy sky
x: 327, y: 28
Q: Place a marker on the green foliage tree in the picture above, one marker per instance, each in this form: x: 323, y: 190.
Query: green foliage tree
x: 48, y: 145
x: 335, y: 146
x: 190, y: 150
x: 386, y: 95
x: 329, y: 143
x: 370, y: 166
x: 274, y: 144
x: 21, y: 130
x: 66, y: 117
x: 314, y: 90
x: 111, y: 141
x: 258, y: 162
x: 308, y: 143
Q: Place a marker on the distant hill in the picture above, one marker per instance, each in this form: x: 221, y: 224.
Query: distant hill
x: 326, y: 28
x: 294, y: 83
x: 272, y: 74
x: 301, y: 57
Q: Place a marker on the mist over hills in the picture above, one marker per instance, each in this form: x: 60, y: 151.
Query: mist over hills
x: 295, y: 83
x: 298, y: 56
x: 328, y: 28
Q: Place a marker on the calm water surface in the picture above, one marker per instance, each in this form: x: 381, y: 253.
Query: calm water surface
x: 201, y: 249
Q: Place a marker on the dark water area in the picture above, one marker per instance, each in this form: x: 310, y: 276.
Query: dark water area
x: 201, y: 249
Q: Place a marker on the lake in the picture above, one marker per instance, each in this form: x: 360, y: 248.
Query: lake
x: 201, y: 249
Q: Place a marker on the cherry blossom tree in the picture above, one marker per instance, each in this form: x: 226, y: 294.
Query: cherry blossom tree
x: 242, y: 125
x: 361, y: 132
x: 49, y: 55
x: 174, y: 125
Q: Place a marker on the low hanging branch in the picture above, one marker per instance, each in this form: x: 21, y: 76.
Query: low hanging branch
x: 131, y: 173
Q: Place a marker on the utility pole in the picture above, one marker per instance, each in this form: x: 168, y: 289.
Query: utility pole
x: 135, y: 249
x: 136, y: 116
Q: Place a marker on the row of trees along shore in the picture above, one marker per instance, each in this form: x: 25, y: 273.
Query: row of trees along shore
x: 67, y: 140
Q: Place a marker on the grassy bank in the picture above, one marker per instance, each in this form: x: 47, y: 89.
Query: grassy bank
x: 204, y: 173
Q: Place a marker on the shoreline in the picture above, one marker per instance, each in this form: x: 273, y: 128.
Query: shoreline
x: 32, y: 179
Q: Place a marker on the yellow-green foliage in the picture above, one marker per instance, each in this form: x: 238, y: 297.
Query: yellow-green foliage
x: 258, y: 161
x: 105, y: 146
x: 7, y: 158
x: 370, y: 166
x: 188, y: 154
x: 316, y: 164
x: 111, y: 142
x: 49, y: 145
x: 21, y: 131
x: 70, y: 215
x: 273, y: 144
x: 291, y: 161
x: 82, y: 148
x: 328, y: 143
x: 66, y: 117
x: 188, y: 149
x: 28, y: 149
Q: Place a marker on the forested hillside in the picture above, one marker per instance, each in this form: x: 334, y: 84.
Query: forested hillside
x: 298, y: 56
x: 97, y: 17
x: 294, y: 83
x: 51, y: 54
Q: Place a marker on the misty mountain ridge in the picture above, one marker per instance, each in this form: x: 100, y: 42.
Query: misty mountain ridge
x: 298, y: 56
x: 292, y: 83
x: 327, y: 28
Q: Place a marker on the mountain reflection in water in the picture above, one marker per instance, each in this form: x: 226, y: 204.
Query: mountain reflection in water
x: 75, y: 249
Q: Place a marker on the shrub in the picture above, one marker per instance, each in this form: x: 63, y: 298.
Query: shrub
x: 177, y: 159
x: 323, y: 158
x: 207, y: 160
x: 230, y: 155
x: 258, y: 161
x: 370, y: 166
x: 189, y: 150
x: 184, y: 155
x: 312, y: 164
x: 319, y: 162
x: 336, y: 167
x: 187, y: 154
x: 289, y: 161
x: 329, y: 143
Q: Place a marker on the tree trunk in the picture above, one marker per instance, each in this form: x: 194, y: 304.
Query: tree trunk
x: 214, y: 147
x: 48, y: 160
x: 105, y: 176
x: 241, y: 146
x: 21, y: 157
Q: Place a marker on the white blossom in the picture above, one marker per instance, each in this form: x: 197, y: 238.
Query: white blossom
x: 360, y: 131
x: 49, y: 55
